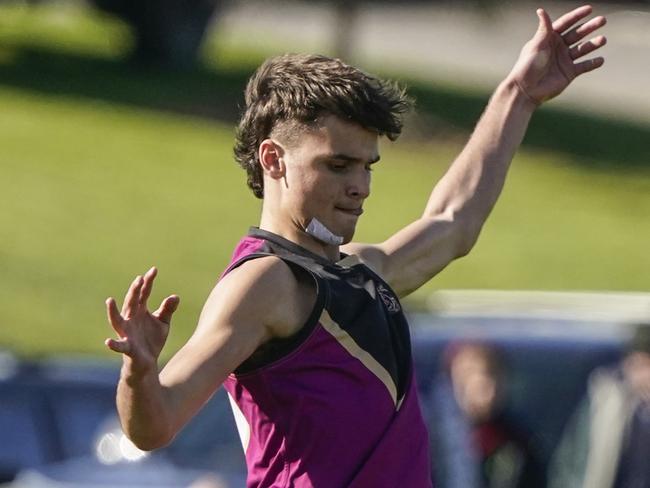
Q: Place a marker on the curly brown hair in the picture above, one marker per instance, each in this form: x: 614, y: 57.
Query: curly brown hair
x: 294, y: 90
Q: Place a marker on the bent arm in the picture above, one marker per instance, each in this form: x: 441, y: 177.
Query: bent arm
x: 241, y: 313
x: 462, y: 200
x: 141, y: 407
x: 153, y: 407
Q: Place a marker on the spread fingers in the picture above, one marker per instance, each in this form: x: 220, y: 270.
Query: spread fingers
x: 114, y: 317
x: 587, y: 47
x: 570, y: 18
x: 147, y: 285
x: 583, y: 30
x: 132, y: 298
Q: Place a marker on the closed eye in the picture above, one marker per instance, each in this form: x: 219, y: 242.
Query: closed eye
x: 338, y: 167
x: 340, y: 163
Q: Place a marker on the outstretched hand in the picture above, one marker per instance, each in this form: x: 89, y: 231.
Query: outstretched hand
x: 548, y: 63
x: 142, y: 333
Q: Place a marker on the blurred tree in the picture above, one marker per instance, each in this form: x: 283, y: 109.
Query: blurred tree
x: 167, y: 32
x: 347, y: 13
x: 345, y: 21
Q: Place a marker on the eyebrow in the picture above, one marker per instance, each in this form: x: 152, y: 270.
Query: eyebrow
x: 350, y: 159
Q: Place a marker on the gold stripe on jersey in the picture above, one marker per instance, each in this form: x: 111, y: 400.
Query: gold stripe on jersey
x: 353, y: 348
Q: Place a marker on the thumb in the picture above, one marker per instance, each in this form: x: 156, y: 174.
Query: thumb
x: 545, y: 25
x: 167, y: 308
x: 122, y: 345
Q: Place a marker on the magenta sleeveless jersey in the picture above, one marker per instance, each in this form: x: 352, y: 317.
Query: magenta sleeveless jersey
x: 336, y: 404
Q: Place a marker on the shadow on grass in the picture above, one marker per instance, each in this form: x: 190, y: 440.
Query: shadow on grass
x: 218, y: 94
x: 214, y: 94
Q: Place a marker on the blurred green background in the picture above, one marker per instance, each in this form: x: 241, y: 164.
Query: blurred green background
x: 110, y: 166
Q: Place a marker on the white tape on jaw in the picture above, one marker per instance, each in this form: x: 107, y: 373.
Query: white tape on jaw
x: 319, y: 231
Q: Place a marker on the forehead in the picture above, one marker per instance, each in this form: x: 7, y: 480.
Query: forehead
x: 334, y: 136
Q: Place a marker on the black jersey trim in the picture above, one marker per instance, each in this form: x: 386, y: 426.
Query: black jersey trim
x: 292, y: 246
x: 278, y: 348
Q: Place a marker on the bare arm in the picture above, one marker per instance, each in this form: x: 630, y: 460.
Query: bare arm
x: 462, y: 200
x: 242, y: 312
x: 142, y: 336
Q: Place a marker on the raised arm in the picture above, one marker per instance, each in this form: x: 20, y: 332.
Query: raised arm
x: 462, y: 200
x: 242, y: 312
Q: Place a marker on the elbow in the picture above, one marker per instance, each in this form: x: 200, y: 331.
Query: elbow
x: 150, y: 441
x: 462, y: 251
x: 463, y: 231
x: 466, y: 241
x: 465, y: 246
x: 148, y: 446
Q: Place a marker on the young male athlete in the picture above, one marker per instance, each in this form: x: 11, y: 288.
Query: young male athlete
x: 305, y: 329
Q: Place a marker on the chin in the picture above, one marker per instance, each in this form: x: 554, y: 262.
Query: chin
x: 345, y: 230
x: 347, y: 237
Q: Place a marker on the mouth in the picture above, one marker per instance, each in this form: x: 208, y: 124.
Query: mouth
x: 351, y: 211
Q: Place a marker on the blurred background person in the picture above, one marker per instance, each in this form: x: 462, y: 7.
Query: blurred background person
x: 607, y: 442
x: 476, y: 441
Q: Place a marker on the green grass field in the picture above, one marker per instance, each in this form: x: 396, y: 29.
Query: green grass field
x: 99, y: 184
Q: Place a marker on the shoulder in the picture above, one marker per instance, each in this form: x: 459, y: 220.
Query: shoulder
x: 372, y: 255
x: 264, y: 290
x: 259, y: 273
x: 260, y: 282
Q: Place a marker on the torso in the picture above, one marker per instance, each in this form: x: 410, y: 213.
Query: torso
x: 332, y: 403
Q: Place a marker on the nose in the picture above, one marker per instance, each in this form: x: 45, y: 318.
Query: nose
x: 359, y: 184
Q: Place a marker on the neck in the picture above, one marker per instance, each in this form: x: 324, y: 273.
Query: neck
x: 294, y: 232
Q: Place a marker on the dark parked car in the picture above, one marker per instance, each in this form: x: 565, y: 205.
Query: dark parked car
x: 59, y: 424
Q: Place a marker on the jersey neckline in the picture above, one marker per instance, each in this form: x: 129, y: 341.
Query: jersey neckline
x: 294, y: 247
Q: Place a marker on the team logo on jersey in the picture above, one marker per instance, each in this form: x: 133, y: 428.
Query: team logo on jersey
x: 392, y: 305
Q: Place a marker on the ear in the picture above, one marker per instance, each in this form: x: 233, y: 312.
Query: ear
x: 270, y: 154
